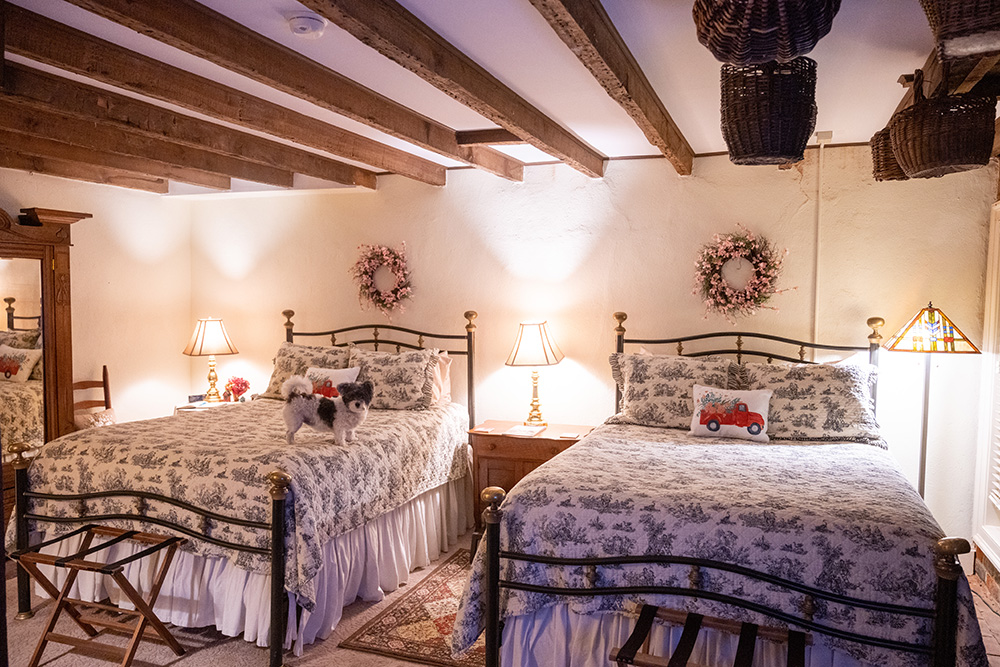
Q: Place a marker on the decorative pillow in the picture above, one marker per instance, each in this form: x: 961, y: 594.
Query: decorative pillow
x: 441, y: 391
x: 403, y: 381
x: 24, y: 340
x: 826, y: 402
x: 656, y: 389
x: 325, y: 380
x: 94, y: 419
x: 293, y: 359
x: 723, y: 413
x: 16, y: 364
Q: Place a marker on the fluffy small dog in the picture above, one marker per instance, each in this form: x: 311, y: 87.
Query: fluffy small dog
x: 342, y: 414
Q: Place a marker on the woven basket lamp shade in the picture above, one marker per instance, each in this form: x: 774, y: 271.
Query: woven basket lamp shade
x: 768, y: 111
x: 884, y: 164
x: 751, y: 32
x: 964, y: 28
x: 944, y: 134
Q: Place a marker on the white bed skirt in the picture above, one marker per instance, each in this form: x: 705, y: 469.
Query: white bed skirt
x: 365, y: 563
x: 558, y: 637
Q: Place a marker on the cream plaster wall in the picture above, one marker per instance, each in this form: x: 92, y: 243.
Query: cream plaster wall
x: 573, y: 250
x: 131, y: 286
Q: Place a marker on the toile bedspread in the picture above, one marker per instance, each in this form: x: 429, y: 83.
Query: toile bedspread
x: 838, y: 516
x: 22, y: 414
x: 217, y: 460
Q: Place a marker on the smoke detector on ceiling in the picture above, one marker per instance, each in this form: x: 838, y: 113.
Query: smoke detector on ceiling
x: 307, y: 24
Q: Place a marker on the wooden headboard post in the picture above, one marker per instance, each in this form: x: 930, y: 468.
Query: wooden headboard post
x: 620, y: 318
x: 470, y: 342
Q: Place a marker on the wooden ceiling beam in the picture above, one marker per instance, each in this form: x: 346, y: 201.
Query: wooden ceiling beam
x: 25, y: 119
x: 393, y: 31
x: 587, y: 30
x: 54, y: 93
x: 27, y: 144
x: 81, y: 172
x: 492, y: 137
x: 41, y: 39
x: 203, y: 32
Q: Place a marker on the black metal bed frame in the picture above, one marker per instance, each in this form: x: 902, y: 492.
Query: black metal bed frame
x: 279, y: 484
x: 12, y: 319
x: 943, y: 615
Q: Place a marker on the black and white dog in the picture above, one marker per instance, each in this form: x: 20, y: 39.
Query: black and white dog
x: 342, y: 414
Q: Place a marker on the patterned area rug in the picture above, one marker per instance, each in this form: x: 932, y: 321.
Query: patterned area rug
x: 418, y: 625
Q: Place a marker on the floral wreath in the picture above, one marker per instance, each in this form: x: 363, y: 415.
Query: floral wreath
x: 372, y: 258
x: 722, y: 297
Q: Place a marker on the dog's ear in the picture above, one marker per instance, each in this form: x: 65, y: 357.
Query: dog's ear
x: 369, y: 390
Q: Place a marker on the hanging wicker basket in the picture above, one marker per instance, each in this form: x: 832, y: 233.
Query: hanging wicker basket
x: 768, y: 111
x: 964, y: 28
x: 885, y: 167
x: 943, y: 134
x: 751, y: 32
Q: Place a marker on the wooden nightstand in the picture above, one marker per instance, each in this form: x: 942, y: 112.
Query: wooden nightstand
x: 502, y: 460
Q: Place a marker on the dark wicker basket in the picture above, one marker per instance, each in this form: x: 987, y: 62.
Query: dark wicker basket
x: 964, y: 28
x: 751, y: 32
x: 944, y: 134
x: 768, y: 111
x: 884, y: 164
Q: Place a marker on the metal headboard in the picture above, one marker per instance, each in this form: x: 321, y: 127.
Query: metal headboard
x: 740, y: 338
x: 399, y: 338
x: 12, y: 319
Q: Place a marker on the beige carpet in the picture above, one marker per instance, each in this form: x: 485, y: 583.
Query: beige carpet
x: 206, y: 647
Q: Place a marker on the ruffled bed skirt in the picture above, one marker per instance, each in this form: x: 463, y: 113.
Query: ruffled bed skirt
x: 558, y: 637
x: 365, y: 563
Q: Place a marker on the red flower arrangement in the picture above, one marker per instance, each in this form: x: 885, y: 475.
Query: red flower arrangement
x: 236, y: 387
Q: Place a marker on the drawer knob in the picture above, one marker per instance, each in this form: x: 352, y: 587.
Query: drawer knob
x: 555, y: 450
x: 490, y: 446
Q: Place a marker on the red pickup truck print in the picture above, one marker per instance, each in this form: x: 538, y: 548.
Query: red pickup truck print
x: 9, y: 366
x: 735, y: 415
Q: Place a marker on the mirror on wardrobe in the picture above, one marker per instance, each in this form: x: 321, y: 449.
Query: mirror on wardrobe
x: 37, y: 403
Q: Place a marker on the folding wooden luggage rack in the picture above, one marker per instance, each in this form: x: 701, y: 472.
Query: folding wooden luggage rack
x: 30, y: 559
x: 748, y: 632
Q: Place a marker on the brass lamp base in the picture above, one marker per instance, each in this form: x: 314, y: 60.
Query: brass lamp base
x: 535, y: 414
x: 212, y: 395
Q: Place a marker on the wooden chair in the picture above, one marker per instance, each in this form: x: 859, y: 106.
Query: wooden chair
x: 89, y: 404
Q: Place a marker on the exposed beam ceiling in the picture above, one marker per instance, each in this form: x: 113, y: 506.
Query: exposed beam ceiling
x: 82, y: 172
x: 394, y: 32
x: 495, y: 137
x: 53, y: 93
x: 26, y: 119
x: 587, y: 30
x: 196, y: 29
x: 26, y: 144
x: 41, y: 39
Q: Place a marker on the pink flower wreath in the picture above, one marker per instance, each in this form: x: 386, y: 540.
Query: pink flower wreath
x: 722, y: 297
x: 372, y: 258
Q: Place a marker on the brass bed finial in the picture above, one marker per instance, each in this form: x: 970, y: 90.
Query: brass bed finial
x: 289, y: 314
x: 875, y: 323
x: 946, y: 553
x: 18, y: 450
x: 471, y: 316
x: 620, y: 318
x: 280, y: 481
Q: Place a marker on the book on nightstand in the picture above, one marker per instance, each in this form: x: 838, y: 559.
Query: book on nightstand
x: 524, y: 430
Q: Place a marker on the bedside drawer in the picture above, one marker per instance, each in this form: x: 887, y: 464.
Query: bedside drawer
x: 531, y: 449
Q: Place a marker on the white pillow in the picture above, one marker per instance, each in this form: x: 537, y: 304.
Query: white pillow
x: 441, y: 391
x: 724, y: 413
x: 16, y: 363
x: 325, y: 380
x: 94, y: 419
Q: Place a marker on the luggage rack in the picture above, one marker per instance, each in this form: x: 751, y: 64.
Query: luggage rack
x: 146, y: 619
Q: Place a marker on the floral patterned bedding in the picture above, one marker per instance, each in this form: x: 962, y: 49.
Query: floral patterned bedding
x: 217, y: 459
x: 836, y: 516
x: 22, y: 412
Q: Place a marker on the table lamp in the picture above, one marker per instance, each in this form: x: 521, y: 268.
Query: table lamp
x: 534, y: 347
x: 930, y: 332
x: 209, y: 339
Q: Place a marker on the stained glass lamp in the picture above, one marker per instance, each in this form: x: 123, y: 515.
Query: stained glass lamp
x: 534, y: 347
x: 931, y: 332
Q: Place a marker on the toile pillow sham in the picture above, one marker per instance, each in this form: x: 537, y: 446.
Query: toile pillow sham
x: 294, y: 359
x: 403, y: 380
x: 823, y: 402
x: 657, y: 390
